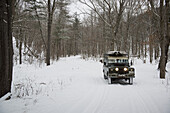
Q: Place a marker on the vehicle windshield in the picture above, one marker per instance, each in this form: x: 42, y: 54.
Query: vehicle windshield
x: 118, y: 61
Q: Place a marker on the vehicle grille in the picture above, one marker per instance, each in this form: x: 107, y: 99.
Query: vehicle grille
x: 121, y: 71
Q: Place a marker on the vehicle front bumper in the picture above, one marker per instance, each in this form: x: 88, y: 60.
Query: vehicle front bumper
x: 116, y: 75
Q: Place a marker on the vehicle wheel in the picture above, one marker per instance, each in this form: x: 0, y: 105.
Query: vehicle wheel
x: 109, y: 80
x: 105, y: 77
x: 130, y: 81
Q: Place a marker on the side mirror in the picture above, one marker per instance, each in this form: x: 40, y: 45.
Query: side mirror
x: 101, y: 60
x: 131, y: 62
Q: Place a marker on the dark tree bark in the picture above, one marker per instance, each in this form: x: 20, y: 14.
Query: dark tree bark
x: 49, y: 33
x: 162, y: 42
x: 20, y: 46
x: 167, y: 38
x: 6, y: 49
x: 118, y: 20
x: 50, y: 19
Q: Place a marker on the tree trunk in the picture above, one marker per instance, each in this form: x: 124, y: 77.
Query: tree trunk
x: 50, y: 19
x: 20, y: 46
x: 156, y: 49
x: 162, y: 40
x: 145, y: 51
x: 167, y: 42
x: 49, y: 33
x: 151, y: 48
x: 6, y: 49
x: 20, y: 52
x: 132, y: 45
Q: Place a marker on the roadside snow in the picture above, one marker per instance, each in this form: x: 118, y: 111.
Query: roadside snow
x: 73, y: 85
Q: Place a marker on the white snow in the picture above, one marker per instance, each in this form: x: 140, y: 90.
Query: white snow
x: 74, y: 85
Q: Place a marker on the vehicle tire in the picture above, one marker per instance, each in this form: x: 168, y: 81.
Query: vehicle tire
x: 105, y: 77
x: 109, y: 80
x: 130, y: 81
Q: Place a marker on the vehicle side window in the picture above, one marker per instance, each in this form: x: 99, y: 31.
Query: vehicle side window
x: 111, y: 61
x: 125, y: 60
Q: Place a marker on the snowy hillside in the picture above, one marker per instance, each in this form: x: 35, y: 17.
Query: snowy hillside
x: 73, y: 85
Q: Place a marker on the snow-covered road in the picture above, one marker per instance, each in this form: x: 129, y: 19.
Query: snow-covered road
x: 73, y: 85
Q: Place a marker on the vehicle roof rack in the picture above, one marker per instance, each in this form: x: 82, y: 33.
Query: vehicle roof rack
x: 116, y: 53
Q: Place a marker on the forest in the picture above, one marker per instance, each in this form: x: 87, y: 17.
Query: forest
x: 44, y: 31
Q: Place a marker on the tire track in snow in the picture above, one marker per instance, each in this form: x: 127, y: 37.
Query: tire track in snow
x: 99, y: 99
x: 153, y: 108
x: 93, y: 100
x: 143, y: 100
x: 136, y: 103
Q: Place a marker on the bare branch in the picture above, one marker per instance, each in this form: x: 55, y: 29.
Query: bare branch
x: 94, y: 9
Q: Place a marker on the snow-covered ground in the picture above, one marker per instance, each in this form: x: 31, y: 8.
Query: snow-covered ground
x: 74, y: 85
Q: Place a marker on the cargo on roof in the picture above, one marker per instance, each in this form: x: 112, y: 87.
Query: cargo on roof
x: 116, y: 54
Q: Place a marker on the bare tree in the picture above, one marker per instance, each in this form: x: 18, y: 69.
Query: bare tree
x: 162, y: 42
x: 114, y: 11
x: 51, y: 10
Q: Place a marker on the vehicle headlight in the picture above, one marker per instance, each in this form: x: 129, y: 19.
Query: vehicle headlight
x: 117, y: 69
x: 125, y: 69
